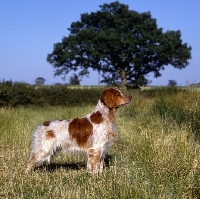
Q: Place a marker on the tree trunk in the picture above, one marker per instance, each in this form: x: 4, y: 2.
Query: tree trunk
x: 123, y: 79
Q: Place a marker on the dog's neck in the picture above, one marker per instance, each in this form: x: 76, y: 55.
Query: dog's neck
x: 106, y: 111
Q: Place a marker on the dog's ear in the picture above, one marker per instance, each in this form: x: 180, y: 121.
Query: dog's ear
x: 107, y: 98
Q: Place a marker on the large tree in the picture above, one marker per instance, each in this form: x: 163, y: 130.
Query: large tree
x: 123, y: 44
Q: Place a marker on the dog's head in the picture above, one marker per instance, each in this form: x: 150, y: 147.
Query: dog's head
x: 113, y: 98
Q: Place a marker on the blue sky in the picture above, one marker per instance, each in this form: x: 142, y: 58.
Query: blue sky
x: 29, y: 29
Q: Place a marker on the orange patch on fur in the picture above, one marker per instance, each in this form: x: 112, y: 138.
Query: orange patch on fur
x: 50, y: 134
x: 80, y: 130
x: 111, y: 97
x: 94, y: 154
x: 111, y: 136
x: 96, y: 117
x: 46, y: 123
x: 107, y: 98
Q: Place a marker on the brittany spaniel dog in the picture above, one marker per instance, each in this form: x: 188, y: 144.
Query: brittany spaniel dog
x: 94, y: 133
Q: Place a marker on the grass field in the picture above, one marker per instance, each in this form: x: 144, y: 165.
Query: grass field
x: 157, y: 154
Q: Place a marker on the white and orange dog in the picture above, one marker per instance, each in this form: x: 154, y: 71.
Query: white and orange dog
x: 94, y: 133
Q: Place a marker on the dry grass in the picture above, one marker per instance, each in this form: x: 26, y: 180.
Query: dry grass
x: 154, y: 157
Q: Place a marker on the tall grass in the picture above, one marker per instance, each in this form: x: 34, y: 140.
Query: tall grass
x: 157, y: 155
x: 182, y: 106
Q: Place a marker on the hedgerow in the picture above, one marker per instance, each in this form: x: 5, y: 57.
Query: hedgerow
x: 21, y: 94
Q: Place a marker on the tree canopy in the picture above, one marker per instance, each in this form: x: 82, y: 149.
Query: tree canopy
x: 123, y: 44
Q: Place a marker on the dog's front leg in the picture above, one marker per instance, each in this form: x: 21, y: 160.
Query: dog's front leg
x: 94, y: 159
x: 101, y: 164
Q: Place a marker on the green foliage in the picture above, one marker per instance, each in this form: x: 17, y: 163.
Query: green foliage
x: 121, y: 43
x: 21, y: 94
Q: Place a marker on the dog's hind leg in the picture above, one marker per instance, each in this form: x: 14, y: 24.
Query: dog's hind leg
x: 32, y: 160
x: 40, y: 158
x: 42, y: 153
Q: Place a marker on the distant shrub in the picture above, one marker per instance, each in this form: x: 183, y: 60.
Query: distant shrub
x: 172, y: 83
